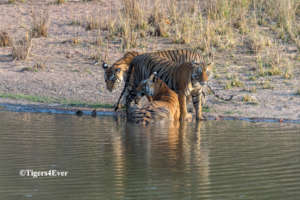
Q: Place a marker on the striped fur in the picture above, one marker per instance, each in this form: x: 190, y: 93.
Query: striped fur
x: 115, y: 74
x: 163, y: 103
x: 184, y: 78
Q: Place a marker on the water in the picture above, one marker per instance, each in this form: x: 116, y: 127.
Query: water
x: 109, y: 159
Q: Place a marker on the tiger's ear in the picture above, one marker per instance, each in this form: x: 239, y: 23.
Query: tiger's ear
x: 209, y: 66
x: 155, y: 77
x: 104, y: 65
x: 152, y: 77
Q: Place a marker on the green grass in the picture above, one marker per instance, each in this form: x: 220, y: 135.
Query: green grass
x: 206, y: 109
x: 49, y: 100
x: 235, y: 82
x: 28, y: 98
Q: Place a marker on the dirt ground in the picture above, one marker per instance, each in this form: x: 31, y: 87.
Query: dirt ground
x: 72, y: 73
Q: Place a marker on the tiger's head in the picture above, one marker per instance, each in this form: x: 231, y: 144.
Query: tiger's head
x: 202, y: 72
x: 115, y: 74
x: 147, y: 87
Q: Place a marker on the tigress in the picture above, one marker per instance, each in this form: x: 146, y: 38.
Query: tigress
x: 184, y: 78
x: 115, y: 74
x: 178, y: 56
x: 163, y: 103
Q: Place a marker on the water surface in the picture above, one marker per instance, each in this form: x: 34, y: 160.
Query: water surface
x: 111, y: 159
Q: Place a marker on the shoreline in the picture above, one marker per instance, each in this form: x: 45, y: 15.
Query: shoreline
x: 12, y: 105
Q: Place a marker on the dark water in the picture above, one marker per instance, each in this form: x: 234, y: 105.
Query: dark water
x: 108, y: 159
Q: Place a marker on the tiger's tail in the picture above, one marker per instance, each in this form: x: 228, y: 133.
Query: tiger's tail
x: 218, y: 96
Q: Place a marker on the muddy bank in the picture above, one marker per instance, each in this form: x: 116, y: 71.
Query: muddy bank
x: 25, y: 106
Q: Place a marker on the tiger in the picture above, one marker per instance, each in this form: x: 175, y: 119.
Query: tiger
x: 178, y: 56
x: 186, y: 79
x: 115, y: 74
x: 163, y: 103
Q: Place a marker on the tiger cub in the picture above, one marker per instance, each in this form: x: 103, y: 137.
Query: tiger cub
x: 163, y: 103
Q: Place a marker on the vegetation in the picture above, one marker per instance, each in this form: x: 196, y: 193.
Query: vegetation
x: 251, y: 39
x: 15, y: 1
x: 35, y: 68
x: 60, y: 1
x: 5, y: 39
x: 249, y: 99
x: 22, y: 48
x: 49, y: 100
x: 40, y: 24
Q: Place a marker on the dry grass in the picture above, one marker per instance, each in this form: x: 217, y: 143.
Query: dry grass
x: 40, y: 24
x: 250, y: 89
x: 234, y: 82
x: 249, y: 99
x: 273, y: 63
x: 5, y: 39
x: 92, y: 23
x: 266, y: 84
x: 133, y: 13
x: 256, y: 42
x: 75, y: 40
x: 21, y: 48
x: 60, y: 1
x: 208, y: 24
x: 158, y: 22
x: 15, y: 1
x: 35, y: 68
x: 99, y: 39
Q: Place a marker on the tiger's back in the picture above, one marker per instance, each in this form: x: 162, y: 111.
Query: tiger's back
x: 115, y: 74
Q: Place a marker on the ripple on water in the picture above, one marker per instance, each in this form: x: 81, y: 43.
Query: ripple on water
x: 112, y: 159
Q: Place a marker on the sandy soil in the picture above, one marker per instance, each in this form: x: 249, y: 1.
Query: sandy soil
x: 71, y: 73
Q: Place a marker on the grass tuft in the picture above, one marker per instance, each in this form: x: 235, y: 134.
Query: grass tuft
x: 249, y: 99
x: 234, y: 82
x: 48, y: 100
x: 22, y: 48
x: 60, y: 1
x: 35, y: 68
x: 92, y: 23
x: 40, y: 24
x: 5, y: 39
x: 15, y: 1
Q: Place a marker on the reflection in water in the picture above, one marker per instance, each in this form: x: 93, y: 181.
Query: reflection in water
x: 112, y: 159
x: 168, y: 154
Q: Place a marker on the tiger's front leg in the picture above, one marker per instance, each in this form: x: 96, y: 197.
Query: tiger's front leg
x: 197, y: 102
x: 122, y: 99
x: 131, y: 95
x: 118, y: 105
x: 184, y: 115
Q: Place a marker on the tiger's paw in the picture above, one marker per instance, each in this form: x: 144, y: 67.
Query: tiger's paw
x: 188, y: 117
x: 200, y: 118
